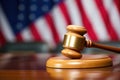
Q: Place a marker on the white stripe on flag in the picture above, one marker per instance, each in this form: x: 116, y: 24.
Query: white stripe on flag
x: 60, y: 22
x: 44, y: 31
x: 95, y: 19
x: 26, y: 35
x: 114, y: 15
x: 5, y: 27
x: 74, y: 12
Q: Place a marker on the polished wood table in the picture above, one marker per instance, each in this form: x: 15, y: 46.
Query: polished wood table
x: 32, y: 67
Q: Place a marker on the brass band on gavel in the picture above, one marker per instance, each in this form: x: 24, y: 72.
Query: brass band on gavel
x: 73, y: 41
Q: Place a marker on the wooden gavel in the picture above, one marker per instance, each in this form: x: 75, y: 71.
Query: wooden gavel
x: 74, y: 42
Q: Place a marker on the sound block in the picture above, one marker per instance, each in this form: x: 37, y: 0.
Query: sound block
x: 87, y: 61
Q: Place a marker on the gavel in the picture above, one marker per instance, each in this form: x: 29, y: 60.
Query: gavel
x: 74, y: 42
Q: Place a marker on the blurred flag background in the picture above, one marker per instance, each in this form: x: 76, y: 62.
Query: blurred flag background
x: 46, y: 20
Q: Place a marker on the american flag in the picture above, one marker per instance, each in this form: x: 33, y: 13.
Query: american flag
x: 46, y: 20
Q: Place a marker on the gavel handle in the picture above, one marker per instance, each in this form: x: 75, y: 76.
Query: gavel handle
x: 101, y: 46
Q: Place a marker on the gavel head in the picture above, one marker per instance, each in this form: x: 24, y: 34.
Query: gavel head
x: 74, y: 41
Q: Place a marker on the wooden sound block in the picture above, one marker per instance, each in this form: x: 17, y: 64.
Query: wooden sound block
x: 87, y: 61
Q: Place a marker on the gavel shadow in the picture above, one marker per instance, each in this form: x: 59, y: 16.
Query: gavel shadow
x: 80, y: 74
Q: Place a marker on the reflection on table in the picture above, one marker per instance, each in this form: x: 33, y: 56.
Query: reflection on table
x: 81, y: 74
x: 32, y: 67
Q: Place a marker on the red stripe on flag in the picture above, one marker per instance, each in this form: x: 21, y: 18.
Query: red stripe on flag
x: 86, y: 21
x: 105, y: 17
x: 117, y: 2
x: 34, y: 31
x: 2, y: 38
x: 50, y: 22
x: 65, y: 12
x: 19, y: 38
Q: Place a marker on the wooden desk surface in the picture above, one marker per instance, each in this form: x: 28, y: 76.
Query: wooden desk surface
x: 32, y: 67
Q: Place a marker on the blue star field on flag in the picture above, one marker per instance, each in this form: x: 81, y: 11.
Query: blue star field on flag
x: 21, y: 13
